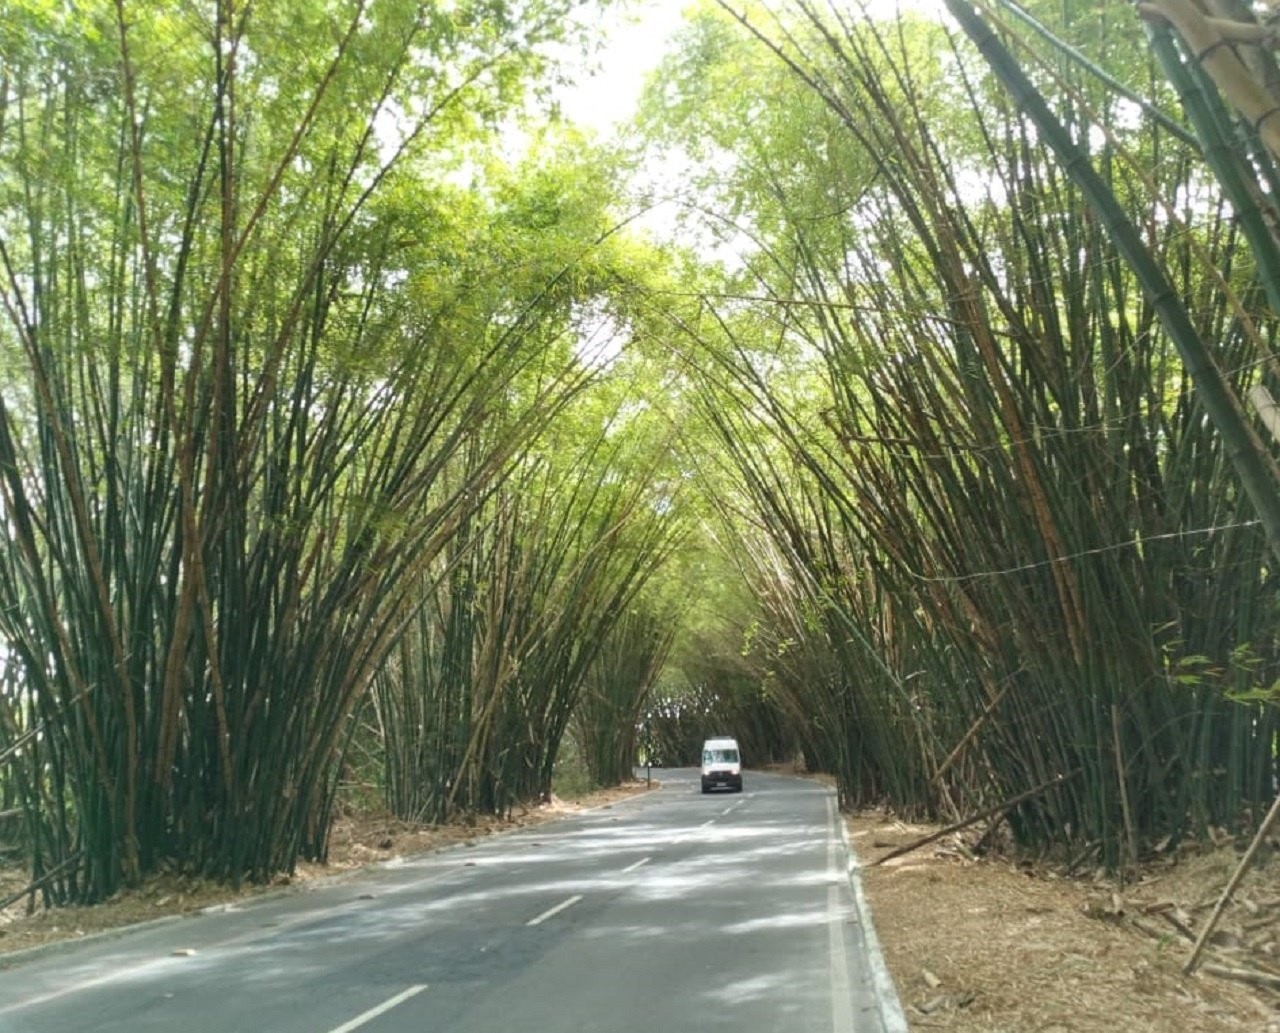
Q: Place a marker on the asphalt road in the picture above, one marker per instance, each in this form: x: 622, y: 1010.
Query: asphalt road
x: 667, y: 912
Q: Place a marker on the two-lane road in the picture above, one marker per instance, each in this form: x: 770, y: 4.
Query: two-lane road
x: 669, y: 911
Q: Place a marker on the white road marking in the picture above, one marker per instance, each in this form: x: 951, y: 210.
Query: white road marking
x: 552, y: 911
x: 890, y: 1005
x: 841, y: 1004
x: 706, y: 823
x: 841, y: 1001
x: 633, y: 867
x: 385, y: 1006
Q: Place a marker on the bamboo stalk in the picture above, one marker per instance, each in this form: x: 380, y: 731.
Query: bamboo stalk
x: 988, y: 812
x: 1242, y: 869
x: 1122, y: 780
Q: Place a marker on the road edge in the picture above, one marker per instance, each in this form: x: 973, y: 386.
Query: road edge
x: 24, y: 955
x: 892, y: 1017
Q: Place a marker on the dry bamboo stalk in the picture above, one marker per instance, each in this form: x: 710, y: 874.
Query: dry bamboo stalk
x: 1267, y: 409
x: 1241, y: 869
x: 986, y: 813
x: 968, y: 736
x: 1130, y: 836
x: 1242, y: 32
x: 1244, y: 975
x: 1204, y: 36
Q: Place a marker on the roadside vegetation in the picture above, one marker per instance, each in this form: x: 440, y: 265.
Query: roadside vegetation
x: 355, y: 456
x: 995, y: 540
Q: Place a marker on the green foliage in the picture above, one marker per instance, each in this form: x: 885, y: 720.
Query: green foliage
x: 966, y: 476
x: 265, y: 364
x: 528, y: 616
x: 572, y: 778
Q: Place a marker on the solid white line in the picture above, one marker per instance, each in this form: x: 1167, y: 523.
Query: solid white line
x: 841, y: 1003
x: 385, y: 1006
x: 891, y: 1015
x: 551, y: 911
x: 633, y: 867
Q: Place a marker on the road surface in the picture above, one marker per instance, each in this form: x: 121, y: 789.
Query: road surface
x: 672, y: 911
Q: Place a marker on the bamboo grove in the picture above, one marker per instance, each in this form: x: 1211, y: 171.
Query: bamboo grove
x: 348, y: 460
x: 997, y: 542
x: 274, y: 378
x: 527, y: 630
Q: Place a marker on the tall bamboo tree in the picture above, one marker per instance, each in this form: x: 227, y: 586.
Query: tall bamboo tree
x: 239, y: 370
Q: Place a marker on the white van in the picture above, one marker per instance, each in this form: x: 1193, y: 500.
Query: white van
x: 721, y: 764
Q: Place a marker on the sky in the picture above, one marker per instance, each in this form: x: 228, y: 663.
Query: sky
x: 638, y: 32
x: 637, y: 36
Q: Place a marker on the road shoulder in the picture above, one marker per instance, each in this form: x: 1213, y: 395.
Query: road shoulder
x: 984, y: 946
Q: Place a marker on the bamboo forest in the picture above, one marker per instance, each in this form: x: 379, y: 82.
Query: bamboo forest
x: 891, y: 388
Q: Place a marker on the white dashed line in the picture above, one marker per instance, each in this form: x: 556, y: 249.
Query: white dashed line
x: 385, y: 1006
x: 554, y: 910
x: 633, y: 867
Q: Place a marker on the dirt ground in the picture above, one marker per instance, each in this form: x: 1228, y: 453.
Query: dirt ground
x: 988, y: 946
x: 974, y: 946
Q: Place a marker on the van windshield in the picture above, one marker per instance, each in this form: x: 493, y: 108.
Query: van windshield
x: 719, y: 756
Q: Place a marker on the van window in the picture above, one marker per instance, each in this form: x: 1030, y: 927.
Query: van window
x: 719, y: 756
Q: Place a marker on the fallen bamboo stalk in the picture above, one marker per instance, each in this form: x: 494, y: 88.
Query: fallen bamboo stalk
x: 47, y: 877
x: 1243, y: 975
x: 999, y: 808
x: 1241, y: 869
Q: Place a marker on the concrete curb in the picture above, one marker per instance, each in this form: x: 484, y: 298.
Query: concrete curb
x: 891, y: 1015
